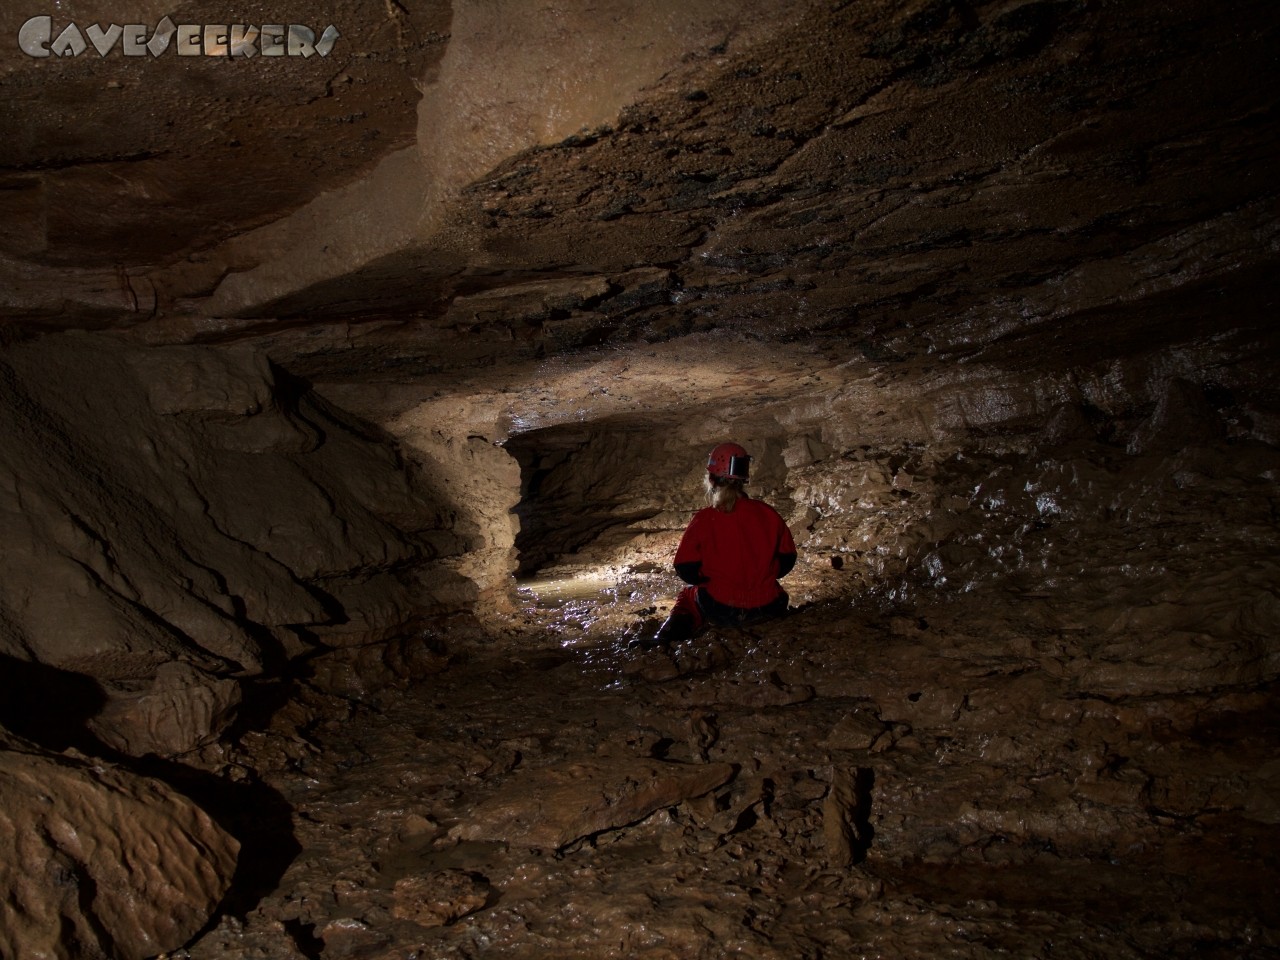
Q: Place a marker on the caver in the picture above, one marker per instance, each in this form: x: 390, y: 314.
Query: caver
x: 732, y: 554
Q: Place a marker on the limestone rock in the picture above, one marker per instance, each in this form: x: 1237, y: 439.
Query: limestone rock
x: 551, y: 807
x: 1182, y: 417
x: 439, y: 898
x: 171, y: 515
x: 183, y: 707
x: 844, y: 826
x: 97, y: 862
x: 857, y: 730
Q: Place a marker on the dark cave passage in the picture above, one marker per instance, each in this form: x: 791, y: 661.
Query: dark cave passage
x: 587, y: 490
x: 346, y: 441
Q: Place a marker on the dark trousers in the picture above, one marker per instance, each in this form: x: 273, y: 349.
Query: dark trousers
x: 695, y: 609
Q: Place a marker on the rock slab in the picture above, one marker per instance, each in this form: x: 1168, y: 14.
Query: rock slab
x: 552, y: 807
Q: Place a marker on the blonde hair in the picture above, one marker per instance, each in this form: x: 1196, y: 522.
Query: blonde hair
x: 723, y: 492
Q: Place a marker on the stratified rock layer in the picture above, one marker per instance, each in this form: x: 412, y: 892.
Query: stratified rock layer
x: 987, y: 289
x: 550, y: 808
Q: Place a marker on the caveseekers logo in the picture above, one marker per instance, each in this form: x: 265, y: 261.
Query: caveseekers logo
x: 37, y: 39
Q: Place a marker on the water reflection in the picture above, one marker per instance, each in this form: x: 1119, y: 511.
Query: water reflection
x: 571, y: 607
x: 549, y: 593
x: 594, y: 607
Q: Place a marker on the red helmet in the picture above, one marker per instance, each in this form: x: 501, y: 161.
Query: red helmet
x: 729, y: 460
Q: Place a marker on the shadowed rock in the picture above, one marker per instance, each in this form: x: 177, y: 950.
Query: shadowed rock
x: 178, y: 520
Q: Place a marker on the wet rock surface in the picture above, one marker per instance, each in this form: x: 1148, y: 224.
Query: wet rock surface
x: 1031, y: 712
x: 943, y: 789
x: 98, y: 861
x: 986, y: 288
x: 553, y: 808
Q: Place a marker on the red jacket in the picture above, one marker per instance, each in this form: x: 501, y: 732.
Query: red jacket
x: 742, y: 554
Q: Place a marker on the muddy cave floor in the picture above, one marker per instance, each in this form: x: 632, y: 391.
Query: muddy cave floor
x: 884, y: 785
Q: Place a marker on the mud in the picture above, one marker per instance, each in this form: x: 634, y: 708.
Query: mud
x: 1033, y: 751
x: 986, y: 288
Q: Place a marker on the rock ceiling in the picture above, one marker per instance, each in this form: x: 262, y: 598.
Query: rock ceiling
x: 124, y: 162
x: 577, y: 177
x: 304, y: 357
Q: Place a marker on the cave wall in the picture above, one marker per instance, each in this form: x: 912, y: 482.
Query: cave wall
x: 985, y: 286
x: 891, y: 465
x: 180, y: 521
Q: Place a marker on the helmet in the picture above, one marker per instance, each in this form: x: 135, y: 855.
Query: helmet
x: 729, y: 460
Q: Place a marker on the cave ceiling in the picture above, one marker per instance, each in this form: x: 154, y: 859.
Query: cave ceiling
x: 125, y: 161
x: 455, y: 191
x: 305, y: 359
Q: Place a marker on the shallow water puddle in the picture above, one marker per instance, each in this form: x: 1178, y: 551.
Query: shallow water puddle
x: 594, y: 607
x: 550, y: 593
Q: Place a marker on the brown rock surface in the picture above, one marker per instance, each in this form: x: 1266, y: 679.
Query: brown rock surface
x: 113, y: 162
x: 97, y: 862
x: 552, y: 807
x: 179, y: 520
x: 438, y: 898
x: 985, y: 286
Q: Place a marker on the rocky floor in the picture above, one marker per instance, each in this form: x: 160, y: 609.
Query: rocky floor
x: 1063, y: 747
x: 986, y: 288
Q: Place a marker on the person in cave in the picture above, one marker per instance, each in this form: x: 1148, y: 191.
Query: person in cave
x: 732, y: 554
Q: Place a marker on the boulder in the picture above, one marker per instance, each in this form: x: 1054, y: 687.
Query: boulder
x: 99, y: 862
